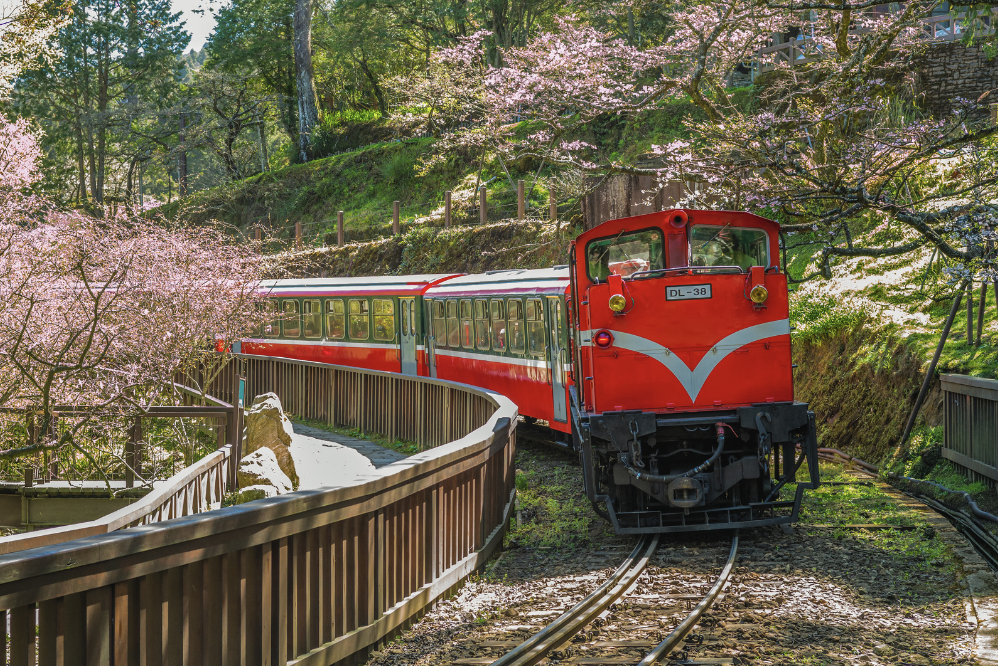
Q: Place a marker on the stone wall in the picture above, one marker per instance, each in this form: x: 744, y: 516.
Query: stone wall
x: 950, y: 70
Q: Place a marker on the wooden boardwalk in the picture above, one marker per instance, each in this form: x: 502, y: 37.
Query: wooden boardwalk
x: 377, y: 454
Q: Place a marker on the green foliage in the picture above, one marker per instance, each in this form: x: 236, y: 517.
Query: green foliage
x: 551, y: 502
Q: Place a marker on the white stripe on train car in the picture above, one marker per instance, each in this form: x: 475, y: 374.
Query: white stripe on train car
x: 322, y: 343
x: 526, y: 362
x: 693, y: 380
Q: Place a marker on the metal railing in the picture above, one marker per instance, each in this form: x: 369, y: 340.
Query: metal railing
x: 312, y: 577
x: 971, y: 423
x: 803, y: 49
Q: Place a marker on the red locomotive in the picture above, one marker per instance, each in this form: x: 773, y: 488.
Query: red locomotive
x: 663, y: 349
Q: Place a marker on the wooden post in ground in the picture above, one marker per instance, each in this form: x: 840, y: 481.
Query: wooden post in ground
x: 970, y: 313
x: 258, y: 233
x: 297, y: 233
x: 483, y: 215
x: 980, y: 312
x: 339, y: 228
x: 932, y: 364
x: 395, y: 218
x: 521, y: 199
x: 553, y: 208
x: 446, y: 209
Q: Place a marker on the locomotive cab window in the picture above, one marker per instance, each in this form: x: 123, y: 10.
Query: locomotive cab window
x: 535, y: 326
x: 729, y: 246
x: 453, y: 326
x: 311, y: 315
x: 336, y: 324
x: 359, y: 319
x: 516, y: 337
x: 384, y: 319
x: 292, y: 326
x: 482, y: 324
x: 625, y: 254
x: 439, y: 324
x: 498, y: 325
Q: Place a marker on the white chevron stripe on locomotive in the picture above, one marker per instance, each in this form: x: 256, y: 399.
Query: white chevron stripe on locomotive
x: 693, y: 380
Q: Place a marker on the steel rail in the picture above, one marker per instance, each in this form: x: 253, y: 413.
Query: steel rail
x: 663, y: 649
x: 535, y: 648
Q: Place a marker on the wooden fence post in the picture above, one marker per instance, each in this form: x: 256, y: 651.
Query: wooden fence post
x: 447, y: 209
x: 980, y: 312
x: 553, y: 208
x: 483, y: 214
x: 395, y: 218
x: 970, y: 313
x: 297, y: 233
x: 339, y: 228
x: 521, y: 199
x: 258, y: 233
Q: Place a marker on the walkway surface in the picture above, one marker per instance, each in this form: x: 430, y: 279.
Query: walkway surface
x: 324, y: 458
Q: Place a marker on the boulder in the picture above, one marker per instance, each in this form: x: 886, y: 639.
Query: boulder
x: 261, y: 468
x: 254, y: 493
x: 268, y: 427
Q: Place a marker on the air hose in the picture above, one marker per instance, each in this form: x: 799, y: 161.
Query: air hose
x: 667, y: 478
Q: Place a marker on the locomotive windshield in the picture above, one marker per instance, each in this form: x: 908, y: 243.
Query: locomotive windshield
x: 625, y: 254
x: 729, y: 246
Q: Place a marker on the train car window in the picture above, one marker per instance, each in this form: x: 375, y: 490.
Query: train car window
x: 291, y: 322
x: 467, y: 326
x: 311, y: 317
x: 412, y: 318
x: 439, y: 324
x: 516, y: 337
x: 535, y: 326
x: 482, y: 324
x: 336, y: 321
x: 384, y: 319
x: 359, y: 319
x: 453, y: 325
x: 728, y: 246
x: 625, y: 254
x: 272, y: 328
x: 498, y: 326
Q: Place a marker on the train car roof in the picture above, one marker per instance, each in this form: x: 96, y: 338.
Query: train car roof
x: 540, y: 281
x: 370, y: 285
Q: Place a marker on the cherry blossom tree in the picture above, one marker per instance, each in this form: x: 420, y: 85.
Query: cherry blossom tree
x: 825, y: 146
x: 102, y: 313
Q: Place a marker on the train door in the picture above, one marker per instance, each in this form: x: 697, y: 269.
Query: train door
x: 557, y: 359
x: 407, y: 336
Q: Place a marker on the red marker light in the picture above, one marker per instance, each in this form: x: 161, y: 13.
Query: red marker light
x: 603, y: 339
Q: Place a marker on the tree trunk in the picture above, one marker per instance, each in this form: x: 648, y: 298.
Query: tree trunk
x: 308, y: 110
x: 378, y: 92
x: 261, y: 132
x: 182, y: 161
x: 81, y: 167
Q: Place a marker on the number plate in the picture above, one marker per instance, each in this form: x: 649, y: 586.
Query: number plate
x: 687, y: 292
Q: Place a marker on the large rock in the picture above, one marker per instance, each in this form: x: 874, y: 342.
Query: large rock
x: 268, y: 427
x: 261, y: 468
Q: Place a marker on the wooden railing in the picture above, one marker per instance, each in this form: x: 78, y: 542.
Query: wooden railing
x: 312, y: 577
x: 971, y: 424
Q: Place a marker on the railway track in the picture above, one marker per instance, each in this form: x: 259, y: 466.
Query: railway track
x: 578, y: 636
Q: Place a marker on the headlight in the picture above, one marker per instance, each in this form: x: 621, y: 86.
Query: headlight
x: 603, y: 339
x: 617, y: 303
x: 759, y: 294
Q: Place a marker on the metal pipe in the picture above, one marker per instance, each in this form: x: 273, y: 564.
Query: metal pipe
x: 932, y: 365
x: 666, y: 478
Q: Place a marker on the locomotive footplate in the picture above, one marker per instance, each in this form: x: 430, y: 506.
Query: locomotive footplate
x: 697, y: 471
